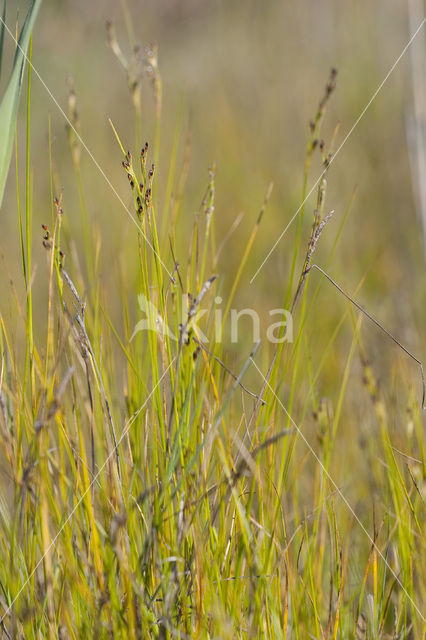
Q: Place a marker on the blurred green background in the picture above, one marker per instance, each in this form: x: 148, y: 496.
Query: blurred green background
x: 243, y: 79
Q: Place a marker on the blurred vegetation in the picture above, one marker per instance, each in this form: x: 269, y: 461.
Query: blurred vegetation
x: 240, y: 83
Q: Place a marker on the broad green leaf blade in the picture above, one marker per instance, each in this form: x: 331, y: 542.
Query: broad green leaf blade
x: 10, y: 103
x: 3, y: 22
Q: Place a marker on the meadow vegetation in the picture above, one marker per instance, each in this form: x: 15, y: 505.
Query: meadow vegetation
x: 158, y: 486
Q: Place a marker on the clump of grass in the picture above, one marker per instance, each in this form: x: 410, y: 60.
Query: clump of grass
x: 152, y: 492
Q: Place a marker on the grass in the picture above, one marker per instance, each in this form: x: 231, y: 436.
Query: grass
x: 10, y: 101
x: 157, y: 487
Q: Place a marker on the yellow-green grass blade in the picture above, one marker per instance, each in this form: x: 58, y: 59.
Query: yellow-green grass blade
x: 10, y: 102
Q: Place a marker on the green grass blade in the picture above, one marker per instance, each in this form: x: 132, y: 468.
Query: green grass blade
x: 10, y: 103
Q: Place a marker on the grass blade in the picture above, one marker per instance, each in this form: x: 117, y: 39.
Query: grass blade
x: 10, y: 103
